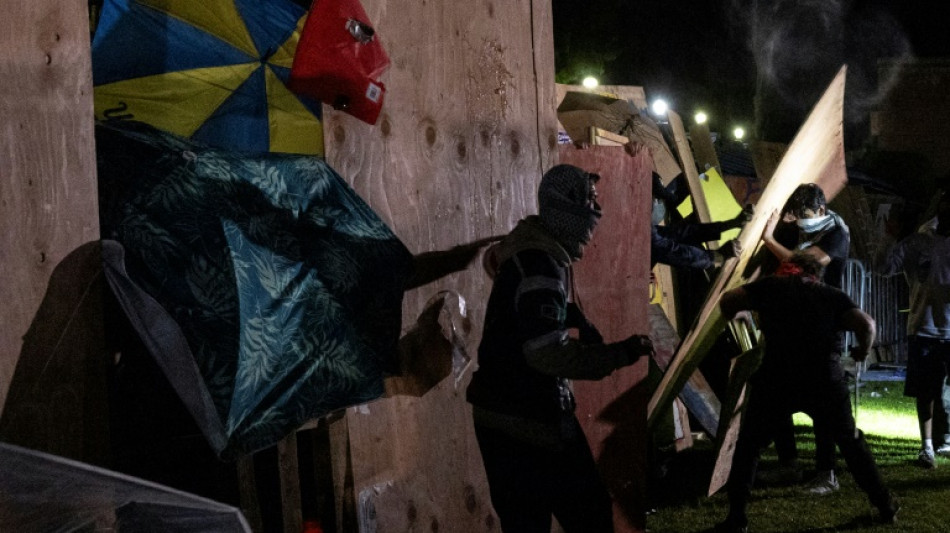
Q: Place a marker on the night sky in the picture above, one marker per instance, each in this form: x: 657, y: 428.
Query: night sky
x: 730, y: 58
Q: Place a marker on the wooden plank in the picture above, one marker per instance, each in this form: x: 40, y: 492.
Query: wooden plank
x: 612, y: 410
x: 467, y: 129
x: 47, y: 157
x: 703, y: 149
x: 247, y: 492
x: 688, y: 164
x: 599, y: 137
x: 732, y: 407
x: 697, y: 395
x: 815, y: 155
x: 289, y: 473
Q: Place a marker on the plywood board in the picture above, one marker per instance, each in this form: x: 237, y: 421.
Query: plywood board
x: 467, y: 129
x: 612, y: 411
x: 47, y: 157
x: 703, y: 148
x: 815, y: 155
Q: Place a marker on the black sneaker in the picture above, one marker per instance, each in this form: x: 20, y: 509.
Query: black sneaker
x: 889, y: 510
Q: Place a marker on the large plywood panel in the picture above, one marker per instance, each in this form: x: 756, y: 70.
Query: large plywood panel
x: 466, y: 131
x: 48, y: 203
x: 612, y: 286
x: 815, y: 155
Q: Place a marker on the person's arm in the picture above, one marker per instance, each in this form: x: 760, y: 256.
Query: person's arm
x: 542, y: 311
x: 780, y: 251
x: 864, y: 330
x: 669, y: 251
x: 430, y: 266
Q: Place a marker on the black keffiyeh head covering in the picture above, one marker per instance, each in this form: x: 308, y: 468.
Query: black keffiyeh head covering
x: 567, y: 206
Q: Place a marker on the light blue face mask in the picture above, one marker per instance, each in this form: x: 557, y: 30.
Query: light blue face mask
x: 811, y: 225
x: 659, y: 212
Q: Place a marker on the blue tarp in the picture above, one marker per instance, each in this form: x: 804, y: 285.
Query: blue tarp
x: 286, y: 286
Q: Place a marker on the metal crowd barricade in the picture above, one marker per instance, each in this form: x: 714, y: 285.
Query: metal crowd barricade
x: 885, y: 299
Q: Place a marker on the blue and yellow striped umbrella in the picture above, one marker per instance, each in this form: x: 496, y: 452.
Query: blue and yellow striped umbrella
x: 211, y: 70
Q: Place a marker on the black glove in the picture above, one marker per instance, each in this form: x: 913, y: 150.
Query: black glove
x: 635, y: 347
x: 730, y: 248
x: 588, y: 334
x: 743, y: 217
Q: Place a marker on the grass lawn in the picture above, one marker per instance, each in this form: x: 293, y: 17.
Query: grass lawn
x: 890, y: 424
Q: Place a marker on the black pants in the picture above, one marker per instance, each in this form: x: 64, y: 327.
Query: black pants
x: 826, y: 403
x: 787, y: 449
x: 530, y: 483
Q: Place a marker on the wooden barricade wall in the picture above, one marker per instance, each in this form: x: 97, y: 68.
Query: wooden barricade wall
x: 612, y: 282
x: 467, y: 129
x: 48, y: 197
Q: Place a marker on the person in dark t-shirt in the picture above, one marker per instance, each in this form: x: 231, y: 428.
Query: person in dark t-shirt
x: 800, y: 318
x: 822, y: 234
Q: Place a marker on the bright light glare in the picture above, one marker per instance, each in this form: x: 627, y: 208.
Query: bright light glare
x: 738, y: 133
x: 659, y: 107
x: 590, y: 82
x: 701, y: 118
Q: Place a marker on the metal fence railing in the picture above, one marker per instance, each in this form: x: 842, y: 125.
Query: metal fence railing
x: 885, y: 298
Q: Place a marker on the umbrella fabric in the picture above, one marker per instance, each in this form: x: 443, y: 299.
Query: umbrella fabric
x: 211, y: 70
x: 43, y: 492
x: 285, y: 284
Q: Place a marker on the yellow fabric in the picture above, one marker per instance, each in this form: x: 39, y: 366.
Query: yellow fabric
x: 220, y: 19
x: 291, y: 124
x: 159, y: 100
x: 284, y: 56
x: 722, y: 204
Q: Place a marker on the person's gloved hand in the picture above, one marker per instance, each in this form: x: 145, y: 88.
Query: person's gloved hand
x: 587, y: 332
x: 743, y: 217
x: 635, y: 347
x: 731, y: 248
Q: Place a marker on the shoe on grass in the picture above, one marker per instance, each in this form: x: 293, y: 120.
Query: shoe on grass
x: 925, y: 459
x: 824, y: 483
x: 889, y: 510
x: 944, y: 449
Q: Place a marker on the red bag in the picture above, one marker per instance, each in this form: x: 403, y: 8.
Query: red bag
x: 339, y: 59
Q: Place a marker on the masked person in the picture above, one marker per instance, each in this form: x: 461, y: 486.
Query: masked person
x: 801, y: 320
x: 924, y: 259
x: 536, y: 458
x: 823, y: 235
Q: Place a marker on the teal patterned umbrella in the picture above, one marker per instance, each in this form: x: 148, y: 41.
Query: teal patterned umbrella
x: 286, y: 286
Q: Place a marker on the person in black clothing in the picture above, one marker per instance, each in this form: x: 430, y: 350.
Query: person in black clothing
x: 536, y: 457
x: 680, y: 243
x: 822, y: 234
x: 800, y: 319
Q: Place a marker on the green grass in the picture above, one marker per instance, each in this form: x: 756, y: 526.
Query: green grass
x: 890, y: 424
